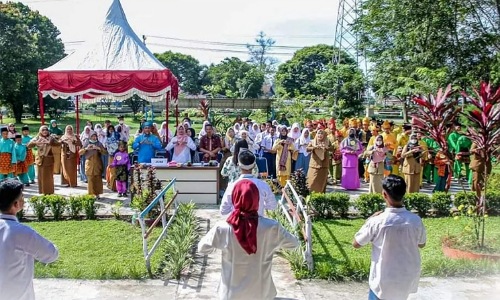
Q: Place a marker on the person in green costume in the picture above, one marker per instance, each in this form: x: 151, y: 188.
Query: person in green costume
x: 430, y: 171
x: 452, y: 146
x: 462, y: 156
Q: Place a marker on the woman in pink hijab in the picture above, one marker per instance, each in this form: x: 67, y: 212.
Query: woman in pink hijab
x: 182, y: 144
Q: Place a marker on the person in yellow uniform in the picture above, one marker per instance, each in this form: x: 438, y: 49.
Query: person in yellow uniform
x: 345, y: 127
x: 365, y: 135
x: 402, y: 140
x: 425, y: 156
x: 390, y: 141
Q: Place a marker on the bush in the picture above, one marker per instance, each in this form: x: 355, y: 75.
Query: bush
x: 89, y: 206
x: 326, y: 205
x: 464, y: 198
x: 368, y: 204
x: 418, y: 201
x: 20, y: 214
x: 299, y: 183
x: 493, y: 202
x: 75, y: 206
x: 57, y: 205
x: 39, y: 207
x: 441, y: 203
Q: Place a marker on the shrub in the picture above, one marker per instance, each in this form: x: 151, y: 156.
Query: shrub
x: 20, y: 214
x: 368, y: 204
x: 339, y: 203
x: 319, y: 203
x: 441, y: 203
x: 493, y: 202
x: 89, y: 206
x: 299, y: 183
x: 115, y: 208
x: 57, y: 205
x: 75, y: 206
x: 464, y: 198
x: 39, y: 206
x: 418, y: 201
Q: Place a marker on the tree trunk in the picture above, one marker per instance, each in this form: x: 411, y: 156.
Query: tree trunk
x: 17, y: 110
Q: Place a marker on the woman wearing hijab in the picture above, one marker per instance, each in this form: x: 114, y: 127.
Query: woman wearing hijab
x: 254, y: 131
x: 44, y: 160
x: 411, y: 154
x: 101, y: 137
x: 84, y: 138
x: 203, y: 131
x: 12, y: 131
x: 237, y: 128
x: 295, y: 132
x: 248, y: 244
x: 56, y: 132
x: 182, y: 144
x: 231, y: 169
x: 227, y: 146
x: 376, y: 154
x: 69, y: 142
x: 93, y: 151
x: 336, y: 170
x: 244, y: 135
x: 284, y: 148
x: 351, y: 148
x: 111, y: 144
x: 317, y: 175
x: 304, y: 157
x: 165, y: 134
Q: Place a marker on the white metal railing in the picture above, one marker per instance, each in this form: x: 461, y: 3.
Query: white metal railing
x: 146, y: 231
x: 296, y: 214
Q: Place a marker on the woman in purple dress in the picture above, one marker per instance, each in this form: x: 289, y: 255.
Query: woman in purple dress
x: 351, y: 148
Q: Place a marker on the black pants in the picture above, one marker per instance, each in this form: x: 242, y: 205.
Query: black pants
x: 361, y: 167
x: 271, y: 164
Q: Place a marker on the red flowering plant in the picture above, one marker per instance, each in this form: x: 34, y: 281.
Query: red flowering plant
x: 204, y: 107
x: 485, y: 134
x: 434, y: 114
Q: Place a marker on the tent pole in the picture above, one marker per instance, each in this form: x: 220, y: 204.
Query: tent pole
x: 77, y: 115
x: 42, y: 112
x: 167, y: 100
x: 176, y: 115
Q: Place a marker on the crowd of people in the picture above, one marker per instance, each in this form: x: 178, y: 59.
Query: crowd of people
x: 361, y: 150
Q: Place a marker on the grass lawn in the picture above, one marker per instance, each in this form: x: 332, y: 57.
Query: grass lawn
x: 96, y: 250
x: 336, y: 259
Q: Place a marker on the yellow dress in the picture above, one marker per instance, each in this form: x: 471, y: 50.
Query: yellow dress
x: 283, y: 175
x: 402, y: 141
x: 391, y: 144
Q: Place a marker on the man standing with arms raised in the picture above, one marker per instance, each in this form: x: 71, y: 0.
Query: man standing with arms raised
x: 396, y: 235
x: 19, y: 246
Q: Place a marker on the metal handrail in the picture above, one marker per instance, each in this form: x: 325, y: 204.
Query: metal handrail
x: 159, y: 199
x: 294, y: 219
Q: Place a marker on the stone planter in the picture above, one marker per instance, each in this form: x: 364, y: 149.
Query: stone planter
x: 453, y: 253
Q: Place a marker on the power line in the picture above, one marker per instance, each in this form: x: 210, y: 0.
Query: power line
x: 217, y: 50
x: 220, y: 43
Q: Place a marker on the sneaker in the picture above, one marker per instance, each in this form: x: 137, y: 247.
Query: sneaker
x: 27, y: 184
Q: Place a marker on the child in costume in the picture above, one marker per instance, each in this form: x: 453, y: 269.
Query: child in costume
x: 21, y: 170
x: 442, y: 163
x: 121, y: 162
x: 7, y: 155
x: 30, y: 157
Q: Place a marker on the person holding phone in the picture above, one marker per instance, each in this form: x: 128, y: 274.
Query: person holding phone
x: 412, y: 154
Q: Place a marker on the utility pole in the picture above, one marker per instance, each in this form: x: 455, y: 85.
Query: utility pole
x: 347, y: 40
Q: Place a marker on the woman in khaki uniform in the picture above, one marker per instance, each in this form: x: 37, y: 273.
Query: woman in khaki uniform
x: 44, y: 159
x: 317, y: 175
x: 411, y: 166
x: 56, y: 132
x: 376, y: 154
x: 93, y: 150
x: 69, y: 154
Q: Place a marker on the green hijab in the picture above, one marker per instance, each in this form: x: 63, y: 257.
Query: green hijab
x: 55, y: 130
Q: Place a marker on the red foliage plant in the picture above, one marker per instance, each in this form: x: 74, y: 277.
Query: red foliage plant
x: 204, y: 107
x: 485, y: 118
x: 434, y: 113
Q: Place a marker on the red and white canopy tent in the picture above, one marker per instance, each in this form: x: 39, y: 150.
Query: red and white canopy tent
x: 116, y: 66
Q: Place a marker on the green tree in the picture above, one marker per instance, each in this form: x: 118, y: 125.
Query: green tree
x: 135, y: 103
x: 259, y: 54
x: 342, y: 83
x: 186, y: 68
x: 296, y: 77
x: 28, y: 42
x: 414, y: 46
x: 235, y: 78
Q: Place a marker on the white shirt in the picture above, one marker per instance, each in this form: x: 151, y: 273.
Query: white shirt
x: 260, y: 137
x: 267, y: 200
x: 268, y: 142
x: 245, y: 276
x: 19, y: 247
x: 395, y: 268
x: 185, y: 155
x: 125, y: 134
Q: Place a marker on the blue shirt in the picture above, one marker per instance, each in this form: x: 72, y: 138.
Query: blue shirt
x: 7, y: 146
x: 146, y: 144
x: 20, y: 150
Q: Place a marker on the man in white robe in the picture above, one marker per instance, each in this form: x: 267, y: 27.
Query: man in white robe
x: 248, y: 243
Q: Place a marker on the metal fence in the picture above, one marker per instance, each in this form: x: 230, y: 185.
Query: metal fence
x: 146, y: 231
x: 295, y: 212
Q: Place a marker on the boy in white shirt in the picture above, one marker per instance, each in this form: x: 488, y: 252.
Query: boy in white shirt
x: 396, y: 235
x: 19, y: 247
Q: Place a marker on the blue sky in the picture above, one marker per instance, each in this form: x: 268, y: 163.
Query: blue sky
x: 289, y: 22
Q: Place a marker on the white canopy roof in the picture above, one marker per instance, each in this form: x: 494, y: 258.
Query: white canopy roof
x: 116, y: 48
